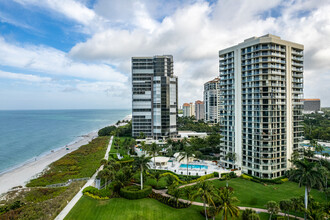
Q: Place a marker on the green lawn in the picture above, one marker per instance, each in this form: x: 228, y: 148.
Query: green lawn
x: 88, y: 208
x: 123, y: 209
x: 253, y: 194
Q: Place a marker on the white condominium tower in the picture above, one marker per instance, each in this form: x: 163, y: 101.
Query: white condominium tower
x: 154, y: 96
x: 212, y: 100
x: 261, y: 85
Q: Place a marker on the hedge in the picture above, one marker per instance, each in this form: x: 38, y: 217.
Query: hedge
x: 202, y: 178
x: 134, y: 192
x: 97, y: 193
x: 246, y: 177
x: 167, y: 201
x: 279, y: 180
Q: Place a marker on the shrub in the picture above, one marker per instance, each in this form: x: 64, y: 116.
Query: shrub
x: 102, y: 193
x: 285, y: 180
x: 216, y: 174
x: 167, y: 201
x: 270, y: 181
x: 94, y: 196
x: 134, y: 192
x: 246, y: 177
x: 106, y: 131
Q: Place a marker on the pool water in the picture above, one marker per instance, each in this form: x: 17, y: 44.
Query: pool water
x: 194, y: 166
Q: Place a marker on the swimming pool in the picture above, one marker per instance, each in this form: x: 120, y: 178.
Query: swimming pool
x: 194, y: 166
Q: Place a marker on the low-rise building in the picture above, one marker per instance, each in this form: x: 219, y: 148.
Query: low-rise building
x: 311, y: 106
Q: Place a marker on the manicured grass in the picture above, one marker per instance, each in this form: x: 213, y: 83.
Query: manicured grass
x: 80, y: 163
x: 123, y: 209
x: 119, y: 208
x: 251, y: 194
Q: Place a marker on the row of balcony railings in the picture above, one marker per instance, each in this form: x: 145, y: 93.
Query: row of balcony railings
x: 249, y: 50
x: 257, y: 54
x: 264, y: 59
x: 257, y: 66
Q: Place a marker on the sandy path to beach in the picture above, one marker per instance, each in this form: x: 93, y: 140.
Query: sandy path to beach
x: 21, y: 175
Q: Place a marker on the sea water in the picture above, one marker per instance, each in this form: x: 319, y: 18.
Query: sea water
x: 27, y: 134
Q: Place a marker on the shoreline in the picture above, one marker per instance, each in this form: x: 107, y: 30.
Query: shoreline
x: 20, y: 174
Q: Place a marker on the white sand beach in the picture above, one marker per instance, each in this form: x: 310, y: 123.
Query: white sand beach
x: 22, y: 174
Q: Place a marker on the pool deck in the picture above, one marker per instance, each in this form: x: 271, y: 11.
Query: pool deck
x: 175, y: 167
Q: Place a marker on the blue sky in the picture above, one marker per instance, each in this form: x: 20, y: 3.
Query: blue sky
x: 72, y: 54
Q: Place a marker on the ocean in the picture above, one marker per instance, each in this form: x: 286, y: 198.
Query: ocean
x: 27, y: 134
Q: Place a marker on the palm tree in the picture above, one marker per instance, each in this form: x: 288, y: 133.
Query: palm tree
x: 154, y: 150
x: 206, y: 192
x: 116, y: 143
x: 246, y: 213
x: 187, y: 192
x: 296, y: 204
x: 254, y: 216
x: 142, y: 163
x: 308, y: 175
x: 227, y: 206
x: 285, y: 206
x: 143, y: 145
x: 107, y: 175
x: 103, y: 161
x: 157, y: 175
x: 175, y: 195
x: 324, y: 169
x: 188, y: 152
x: 272, y: 208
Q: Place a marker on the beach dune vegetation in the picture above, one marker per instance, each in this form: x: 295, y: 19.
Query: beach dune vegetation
x: 80, y: 163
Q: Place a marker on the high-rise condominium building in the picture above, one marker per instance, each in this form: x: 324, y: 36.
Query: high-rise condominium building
x: 212, y: 100
x: 261, y: 85
x: 199, y: 110
x: 155, y: 95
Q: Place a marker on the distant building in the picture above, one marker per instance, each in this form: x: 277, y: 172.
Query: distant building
x: 199, y: 110
x: 155, y: 95
x: 311, y: 106
x: 186, y: 110
x: 211, y: 101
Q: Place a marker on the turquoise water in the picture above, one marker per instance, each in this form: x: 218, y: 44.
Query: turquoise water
x: 194, y: 166
x: 27, y: 134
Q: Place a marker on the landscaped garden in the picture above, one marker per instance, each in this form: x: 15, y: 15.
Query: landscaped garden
x: 124, y: 209
x: 131, y: 178
x: 252, y: 194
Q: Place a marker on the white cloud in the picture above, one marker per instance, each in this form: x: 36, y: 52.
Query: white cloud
x: 24, y: 77
x: 55, y: 62
x: 195, y: 33
x: 70, y: 8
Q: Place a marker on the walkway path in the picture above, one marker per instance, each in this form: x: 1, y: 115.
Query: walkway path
x: 76, y: 198
x: 191, y: 184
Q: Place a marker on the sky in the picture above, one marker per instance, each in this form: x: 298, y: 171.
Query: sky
x: 76, y: 54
